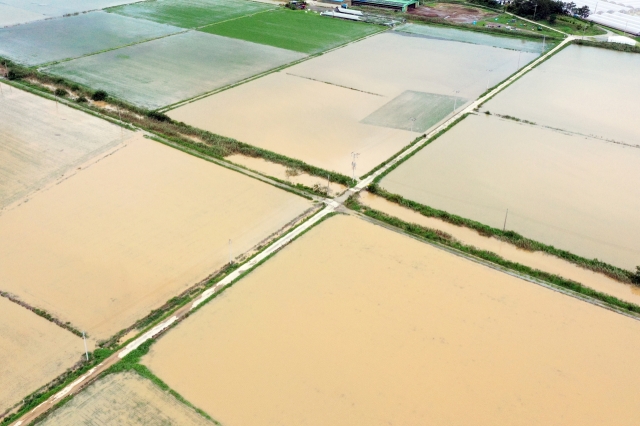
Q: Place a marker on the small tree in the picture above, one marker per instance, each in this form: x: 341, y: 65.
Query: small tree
x: 99, y: 95
x: 61, y: 93
x: 635, y: 278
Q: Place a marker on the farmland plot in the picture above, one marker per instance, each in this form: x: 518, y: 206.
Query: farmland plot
x: 534, y: 259
x: 326, y: 130
x: 576, y: 193
x: 33, y: 351
x: 74, y: 36
x: 443, y: 33
x: 389, y: 330
x: 10, y: 15
x: 295, y: 30
x: 191, y: 13
x: 42, y: 141
x: 171, y: 69
x: 397, y: 86
x: 581, y: 89
x: 118, y: 239
x: 54, y: 8
x: 125, y: 399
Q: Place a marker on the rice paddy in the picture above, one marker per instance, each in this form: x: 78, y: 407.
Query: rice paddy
x: 171, y: 69
x: 125, y: 399
x: 294, y: 30
x: 191, y: 13
x: 574, y: 192
x: 397, y: 87
x: 70, y: 37
x: 584, y: 90
x: 372, y: 338
x: 452, y: 34
x: 33, y: 351
x: 43, y: 141
x: 10, y: 15
x: 135, y: 229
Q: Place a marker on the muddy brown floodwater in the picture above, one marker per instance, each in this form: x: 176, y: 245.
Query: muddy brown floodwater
x: 534, y: 259
x: 576, y: 193
x: 118, y: 239
x: 354, y: 324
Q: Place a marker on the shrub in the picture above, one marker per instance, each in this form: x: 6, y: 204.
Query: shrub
x: 99, y: 95
x: 81, y: 100
x: 75, y: 87
x: 635, y: 278
x: 60, y: 93
x: 158, y: 116
x: 14, y: 75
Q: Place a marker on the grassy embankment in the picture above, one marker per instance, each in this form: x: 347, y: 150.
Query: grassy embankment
x: 445, y: 239
x: 191, y: 138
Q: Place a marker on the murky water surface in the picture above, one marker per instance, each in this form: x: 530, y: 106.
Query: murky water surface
x: 576, y: 193
x: 118, y: 239
x: 354, y: 324
x: 581, y: 89
x: 537, y: 260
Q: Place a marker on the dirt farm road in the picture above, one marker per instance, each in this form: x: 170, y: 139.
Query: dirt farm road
x: 331, y: 206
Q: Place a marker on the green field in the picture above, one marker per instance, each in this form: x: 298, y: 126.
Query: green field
x: 190, y: 13
x: 301, y: 31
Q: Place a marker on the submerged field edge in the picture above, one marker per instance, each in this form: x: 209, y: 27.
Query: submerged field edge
x: 101, y: 354
x: 595, y: 265
x: 42, y: 313
x: 444, y: 239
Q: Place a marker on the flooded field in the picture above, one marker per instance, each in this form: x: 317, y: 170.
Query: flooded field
x: 283, y: 173
x: 123, y: 236
x: 41, y: 141
x: 389, y: 330
x: 390, y: 63
x: 74, y: 36
x: 54, y: 8
x: 164, y: 71
x: 325, y: 134
x: 372, y: 109
x: 576, y: 193
x: 10, y: 15
x: 125, y: 399
x: 191, y: 13
x: 33, y: 351
x: 607, y: 83
x: 444, y: 33
x: 536, y: 259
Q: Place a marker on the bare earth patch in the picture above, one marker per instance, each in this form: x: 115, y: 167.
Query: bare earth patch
x: 452, y: 12
x: 353, y: 324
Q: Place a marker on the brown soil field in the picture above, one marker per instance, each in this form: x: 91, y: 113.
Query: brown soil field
x: 43, y: 140
x: 309, y: 120
x: 121, y: 237
x: 33, y: 351
x: 536, y: 259
x: 280, y: 172
x: 452, y: 12
x: 125, y: 399
x: 356, y: 324
x: 576, y: 193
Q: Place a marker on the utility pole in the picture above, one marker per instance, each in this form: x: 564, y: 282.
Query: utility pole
x: 354, y: 158
x: 504, y: 227
x: 544, y: 37
x: 86, y: 352
x: 455, y: 100
x: 535, y: 9
x: 488, y: 76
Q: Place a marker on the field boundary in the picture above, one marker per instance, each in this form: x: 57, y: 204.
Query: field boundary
x: 537, y: 276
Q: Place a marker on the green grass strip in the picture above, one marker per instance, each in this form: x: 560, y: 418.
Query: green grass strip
x: 444, y: 239
x: 512, y: 237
